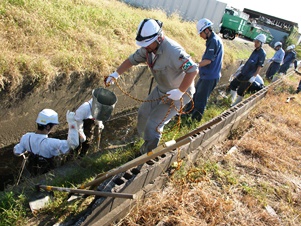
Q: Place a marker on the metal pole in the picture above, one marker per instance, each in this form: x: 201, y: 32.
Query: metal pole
x: 88, y: 192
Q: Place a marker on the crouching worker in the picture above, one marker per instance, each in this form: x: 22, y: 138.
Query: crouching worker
x: 249, y: 71
x: 88, y: 128
x: 40, y: 148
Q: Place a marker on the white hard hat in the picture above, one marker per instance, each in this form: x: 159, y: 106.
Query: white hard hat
x: 261, y: 37
x: 293, y: 46
x: 148, y: 32
x: 277, y: 44
x: 203, y: 24
x: 47, y: 116
x: 289, y: 47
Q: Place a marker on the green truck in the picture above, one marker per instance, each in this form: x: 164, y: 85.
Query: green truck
x: 232, y: 26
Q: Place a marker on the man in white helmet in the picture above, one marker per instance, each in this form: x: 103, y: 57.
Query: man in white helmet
x: 41, y: 148
x: 88, y: 126
x: 249, y: 71
x: 174, y: 72
x: 276, y: 61
x: 289, y: 58
x: 209, y: 68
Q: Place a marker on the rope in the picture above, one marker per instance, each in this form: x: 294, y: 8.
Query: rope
x: 172, y: 105
x: 164, y: 100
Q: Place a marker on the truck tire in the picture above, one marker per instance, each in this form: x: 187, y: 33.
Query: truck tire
x: 226, y: 33
x: 232, y: 37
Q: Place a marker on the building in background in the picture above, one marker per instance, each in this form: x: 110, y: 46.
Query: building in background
x: 193, y: 10
x: 236, y: 23
x: 189, y: 10
x: 279, y: 28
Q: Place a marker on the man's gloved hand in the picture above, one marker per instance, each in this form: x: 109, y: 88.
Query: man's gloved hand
x: 175, y: 94
x: 24, y: 154
x: 99, y: 124
x: 82, y: 136
x: 252, y: 79
x: 112, y: 77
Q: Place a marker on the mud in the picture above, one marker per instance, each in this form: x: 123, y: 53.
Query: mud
x: 19, y: 110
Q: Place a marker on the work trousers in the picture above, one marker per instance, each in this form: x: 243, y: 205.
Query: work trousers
x: 255, y: 87
x: 284, y: 67
x: 83, y: 148
x: 38, y: 165
x: 272, y: 70
x: 240, y: 85
x: 154, y: 115
x: 203, y: 90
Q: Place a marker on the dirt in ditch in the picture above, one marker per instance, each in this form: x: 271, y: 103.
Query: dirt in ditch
x: 18, y: 114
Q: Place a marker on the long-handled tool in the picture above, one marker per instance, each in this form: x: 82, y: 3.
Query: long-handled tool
x: 86, y: 192
x: 137, y: 161
x: 22, y: 168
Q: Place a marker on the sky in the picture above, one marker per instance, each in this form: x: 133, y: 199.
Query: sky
x: 287, y: 10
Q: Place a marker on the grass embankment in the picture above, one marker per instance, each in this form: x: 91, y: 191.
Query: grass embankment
x: 40, y: 39
x: 256, y: 183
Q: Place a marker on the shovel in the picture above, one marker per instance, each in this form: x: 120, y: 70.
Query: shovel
x: 43, y: 200
x: 86, y: 192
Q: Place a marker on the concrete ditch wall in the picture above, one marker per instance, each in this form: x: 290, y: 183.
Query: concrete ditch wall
x: 143, y: 179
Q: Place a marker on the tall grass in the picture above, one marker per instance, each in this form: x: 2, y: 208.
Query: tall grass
x: 83, y: 35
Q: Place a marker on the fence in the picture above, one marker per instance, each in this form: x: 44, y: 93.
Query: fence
x: 190, y: 10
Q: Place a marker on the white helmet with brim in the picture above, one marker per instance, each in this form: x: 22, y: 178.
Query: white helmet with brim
x: 47, y: 116
x: 203, y: 24
x: 148, y: 32
x: 277, y: 44
x: 289, y: 47
x: 261, y: 38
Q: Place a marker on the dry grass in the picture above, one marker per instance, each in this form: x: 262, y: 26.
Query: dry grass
x: 41, y: 39
x: 238, y: 188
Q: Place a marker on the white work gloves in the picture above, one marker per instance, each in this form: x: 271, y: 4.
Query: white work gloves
x: 175, y: 94
x: 70, y: 117
x: 72, y: 138
x: 252, y: 79
x: 99, y: 124
x: 112, y: 77
x: 82, y: 136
